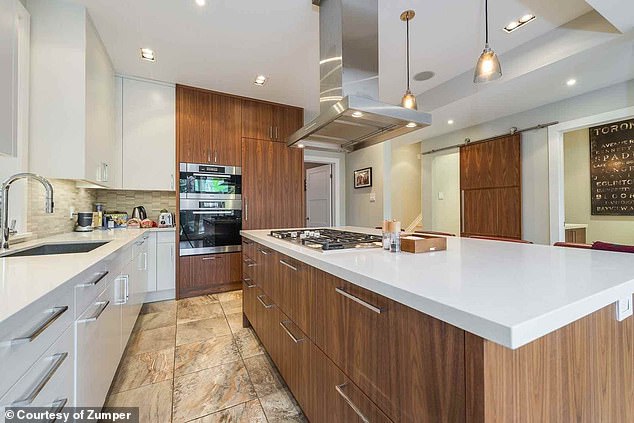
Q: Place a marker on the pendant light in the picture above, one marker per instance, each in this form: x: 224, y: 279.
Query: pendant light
x: 488, y: 67
x: 409, y: 99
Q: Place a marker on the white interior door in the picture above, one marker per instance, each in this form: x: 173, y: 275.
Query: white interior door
x: 319, y: 196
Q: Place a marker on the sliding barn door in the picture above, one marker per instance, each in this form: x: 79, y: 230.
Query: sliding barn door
x: 491, y: 190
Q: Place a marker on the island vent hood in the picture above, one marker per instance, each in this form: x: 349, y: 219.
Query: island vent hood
x: 351, y: 116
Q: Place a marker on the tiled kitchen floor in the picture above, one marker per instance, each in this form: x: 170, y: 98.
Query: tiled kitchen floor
x: 191, y: 360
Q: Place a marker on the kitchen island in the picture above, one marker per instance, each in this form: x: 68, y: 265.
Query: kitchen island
x: 483, y: 332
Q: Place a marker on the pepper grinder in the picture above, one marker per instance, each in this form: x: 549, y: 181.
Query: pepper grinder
x: 395, y: 242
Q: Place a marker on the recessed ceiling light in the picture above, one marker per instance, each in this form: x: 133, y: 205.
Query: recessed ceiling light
x: 450, y: 122
x: 411, y: 125
x: 571, y: 82
x: 513, y: 25
x: 260, y: 80
x: 300, y: 145
x: 357, y: 114
x: 148, y: 54
x: 200, y: 2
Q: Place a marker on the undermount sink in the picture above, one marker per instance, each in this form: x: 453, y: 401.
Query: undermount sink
x: 59, y: 248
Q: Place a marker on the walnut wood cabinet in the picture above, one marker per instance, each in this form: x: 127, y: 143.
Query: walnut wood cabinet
x: 576, y: 235
x: 265, y: 121
x: 208, y: 127
x: 272, y: 185
x: 209, y: 274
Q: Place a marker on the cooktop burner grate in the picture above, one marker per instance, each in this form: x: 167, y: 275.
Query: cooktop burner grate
x: 328, y: 239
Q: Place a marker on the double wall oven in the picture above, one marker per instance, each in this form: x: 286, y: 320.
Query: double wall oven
x: 210, y: 209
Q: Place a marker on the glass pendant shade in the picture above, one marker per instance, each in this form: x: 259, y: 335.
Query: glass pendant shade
x: 488, y: 67
x: 409, y: 101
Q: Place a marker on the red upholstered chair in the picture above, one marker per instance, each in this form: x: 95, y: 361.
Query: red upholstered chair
x: 497, y: 238
x: 617, y: 248
x: 573, y: 245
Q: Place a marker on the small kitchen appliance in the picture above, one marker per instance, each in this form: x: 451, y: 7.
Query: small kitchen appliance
x: 84, y: 222
x: 166, y: 219
x: 139, y: 213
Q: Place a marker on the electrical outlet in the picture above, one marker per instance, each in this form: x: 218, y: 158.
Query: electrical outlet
x: 441, y: 195
x: 72, y: 213
x: 372, y: 197
x: 623, y: 308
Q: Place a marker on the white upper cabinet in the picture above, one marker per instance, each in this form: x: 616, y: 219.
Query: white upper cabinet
x: 8, y: 76
x: 72, y: 120
x: 148, y: 132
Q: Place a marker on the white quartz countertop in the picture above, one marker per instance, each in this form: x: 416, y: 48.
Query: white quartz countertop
x: 575, y: 226
x: 24, y: 280
x: 508, y: 293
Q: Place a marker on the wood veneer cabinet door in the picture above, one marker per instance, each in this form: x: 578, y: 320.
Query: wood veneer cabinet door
x: 296, y: 293
x: 272, y: 185
x: 226, y: 130
x: 257, y: 120
x: 336, y: 398
x: 409, y: 364
x: 193, y: 125
x: 286, y: 120
x: 208, y: 274
x: 249, y: 301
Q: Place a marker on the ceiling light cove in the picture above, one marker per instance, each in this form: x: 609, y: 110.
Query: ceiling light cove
x: 260, y: 80
x: 512, y: 26
x: 571, y: 82
x: 201, y: 3
x: 148, y: 54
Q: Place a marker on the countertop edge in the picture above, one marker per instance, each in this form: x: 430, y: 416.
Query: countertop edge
x: 512, y: 337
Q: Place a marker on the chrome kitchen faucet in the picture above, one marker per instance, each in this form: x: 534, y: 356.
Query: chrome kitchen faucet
x: 5, y: 200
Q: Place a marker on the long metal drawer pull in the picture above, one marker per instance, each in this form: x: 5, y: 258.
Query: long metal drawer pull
x: 288, y: 332
x: 98, y: 278
x: 57, y: 361
x: 266, y: 253
x: 209, y: 258
x: 358, y: 300
x: 57, y: 407
x: 249, y: 262
x: 55, y: 313
x: 357, y: 411
x: 247, y: 281
x: 290, y: 266
x: 263, y: 303
x: 102, y: 306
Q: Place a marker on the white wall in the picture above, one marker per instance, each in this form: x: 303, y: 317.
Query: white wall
x: 339, y: 179
x: 360, y: 211
x: 445, y: 183
x: 535, y: 204
x: 617, y: 229
x: 406, y: 183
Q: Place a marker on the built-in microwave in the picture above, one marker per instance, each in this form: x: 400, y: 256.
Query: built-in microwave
x: 215, y: 182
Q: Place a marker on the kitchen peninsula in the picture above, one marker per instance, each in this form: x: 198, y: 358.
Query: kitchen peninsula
x: 483, y: 332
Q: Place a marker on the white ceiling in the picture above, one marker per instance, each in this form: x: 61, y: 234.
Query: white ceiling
x: 225, y: 44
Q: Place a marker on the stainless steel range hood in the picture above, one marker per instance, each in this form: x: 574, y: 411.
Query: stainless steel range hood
x: 351, y: 115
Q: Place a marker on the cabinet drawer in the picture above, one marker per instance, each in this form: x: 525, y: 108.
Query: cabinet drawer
x: 266, y: 319
x: 409, y: 364
x: 248, y: 248
x: 294, y: 291
x: 209, y: 274
x: 337, y: 398
x: 266, y: 271
x: 27, y: 334
x: 90, y: 284
x: 50, y: 381
x: 249, y: 299
x: 248, y: 267
x: 99, y: 346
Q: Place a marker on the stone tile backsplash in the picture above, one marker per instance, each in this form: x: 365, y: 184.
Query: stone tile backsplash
x: 125, y: 201
x: 67, y: 195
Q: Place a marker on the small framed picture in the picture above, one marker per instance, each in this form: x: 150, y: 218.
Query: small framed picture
x: 363, y: 178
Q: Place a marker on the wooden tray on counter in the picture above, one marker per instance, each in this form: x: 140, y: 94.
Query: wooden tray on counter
x: 419, y: 243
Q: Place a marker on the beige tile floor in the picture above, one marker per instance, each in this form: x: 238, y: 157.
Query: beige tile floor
x: 192, y: 361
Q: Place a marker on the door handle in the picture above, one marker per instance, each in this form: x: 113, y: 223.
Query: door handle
x: 172, y: 181
x: 276, y: 133
x: 462, y: 211
x: 98, y: 277
x: 57, y: 360
x: 290, y: 266
x: 102, y: 306
x: 55, y: 314
x: 209, y: 155
x: 346, y: 398
x: 358, y: 300
x: 215, y: 156
x: 289, y: 333
x: 246, y: 210
x: 263, y: 303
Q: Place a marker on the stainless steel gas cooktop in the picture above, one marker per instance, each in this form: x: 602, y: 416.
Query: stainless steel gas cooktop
x: 328, y: 239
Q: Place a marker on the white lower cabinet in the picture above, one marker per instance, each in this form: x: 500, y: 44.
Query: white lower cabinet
x: 161, y: 266
x: 49, y: 381
x: 98, y: 347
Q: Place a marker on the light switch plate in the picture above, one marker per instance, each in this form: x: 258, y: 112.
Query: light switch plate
x: 441, y: 195
x: 623, y: 308
x: 372, y: 197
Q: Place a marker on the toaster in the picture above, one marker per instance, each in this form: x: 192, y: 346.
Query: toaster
x: 166, y: 220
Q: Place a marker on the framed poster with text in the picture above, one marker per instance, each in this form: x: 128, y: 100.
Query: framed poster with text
x: 612, y: 169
